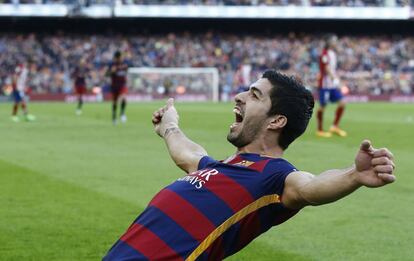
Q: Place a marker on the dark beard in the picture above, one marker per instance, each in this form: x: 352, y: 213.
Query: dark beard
x: 238, y: 141
x: 246, y: 136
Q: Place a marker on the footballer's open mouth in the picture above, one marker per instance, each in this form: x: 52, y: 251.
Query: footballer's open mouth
x: 238, y: 117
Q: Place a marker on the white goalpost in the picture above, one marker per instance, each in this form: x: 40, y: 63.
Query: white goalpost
x: 189, y: 84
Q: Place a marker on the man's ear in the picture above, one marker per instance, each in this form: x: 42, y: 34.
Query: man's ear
x: 277, y: 122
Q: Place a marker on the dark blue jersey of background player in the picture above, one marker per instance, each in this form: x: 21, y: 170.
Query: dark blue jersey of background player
x: 118, y: 70
x: 80, y: 74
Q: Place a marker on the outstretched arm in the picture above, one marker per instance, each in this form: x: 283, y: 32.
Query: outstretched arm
x: 185, y: 153
x: 373, y: 168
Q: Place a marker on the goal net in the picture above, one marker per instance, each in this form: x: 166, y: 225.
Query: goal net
x: 186, y: 84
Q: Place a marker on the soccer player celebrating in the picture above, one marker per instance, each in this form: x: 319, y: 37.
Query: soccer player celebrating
x: 118, y: 73
x: 79, y: 75
x: 19, y: 81
x: 221, y: 206
x: 329, y: 89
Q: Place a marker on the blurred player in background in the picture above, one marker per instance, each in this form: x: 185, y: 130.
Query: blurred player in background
x: 329, y: 89
x: 79, y: 75
x: 19, y: 81
x: 118, y: 72
x: 168, y: 84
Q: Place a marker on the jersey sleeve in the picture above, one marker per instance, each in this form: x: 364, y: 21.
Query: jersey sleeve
x: 18, y: 70
x: 325, y: 59
x: 205, y: 162
x: 278, y: 171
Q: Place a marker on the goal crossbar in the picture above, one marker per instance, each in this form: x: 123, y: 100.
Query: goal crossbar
x: 183, y: 70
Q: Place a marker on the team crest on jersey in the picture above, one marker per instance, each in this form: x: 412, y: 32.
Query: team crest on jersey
x: 244, y: 163
x: 200, y: 177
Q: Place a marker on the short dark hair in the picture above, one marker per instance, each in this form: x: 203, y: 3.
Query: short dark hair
x: 117, y: 54
x: 289, y: 98
x: 329, y: 39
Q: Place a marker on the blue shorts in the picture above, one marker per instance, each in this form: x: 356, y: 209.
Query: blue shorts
x: 329, y: 95
x: 17, y: 96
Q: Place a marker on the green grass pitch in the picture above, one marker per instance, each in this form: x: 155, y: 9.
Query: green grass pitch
x: 70, y: 186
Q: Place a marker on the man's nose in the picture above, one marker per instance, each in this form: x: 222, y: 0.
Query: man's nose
x: 239, y: 98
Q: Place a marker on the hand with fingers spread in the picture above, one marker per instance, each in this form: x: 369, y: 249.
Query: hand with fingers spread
x: 165, y: 117
x: 375, y: 167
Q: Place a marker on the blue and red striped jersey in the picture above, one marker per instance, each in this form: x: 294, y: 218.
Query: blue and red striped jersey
x: 211, y: 213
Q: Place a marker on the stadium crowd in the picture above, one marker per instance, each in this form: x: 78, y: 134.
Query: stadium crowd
x: 366, y: 65
x: 348, y: 3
